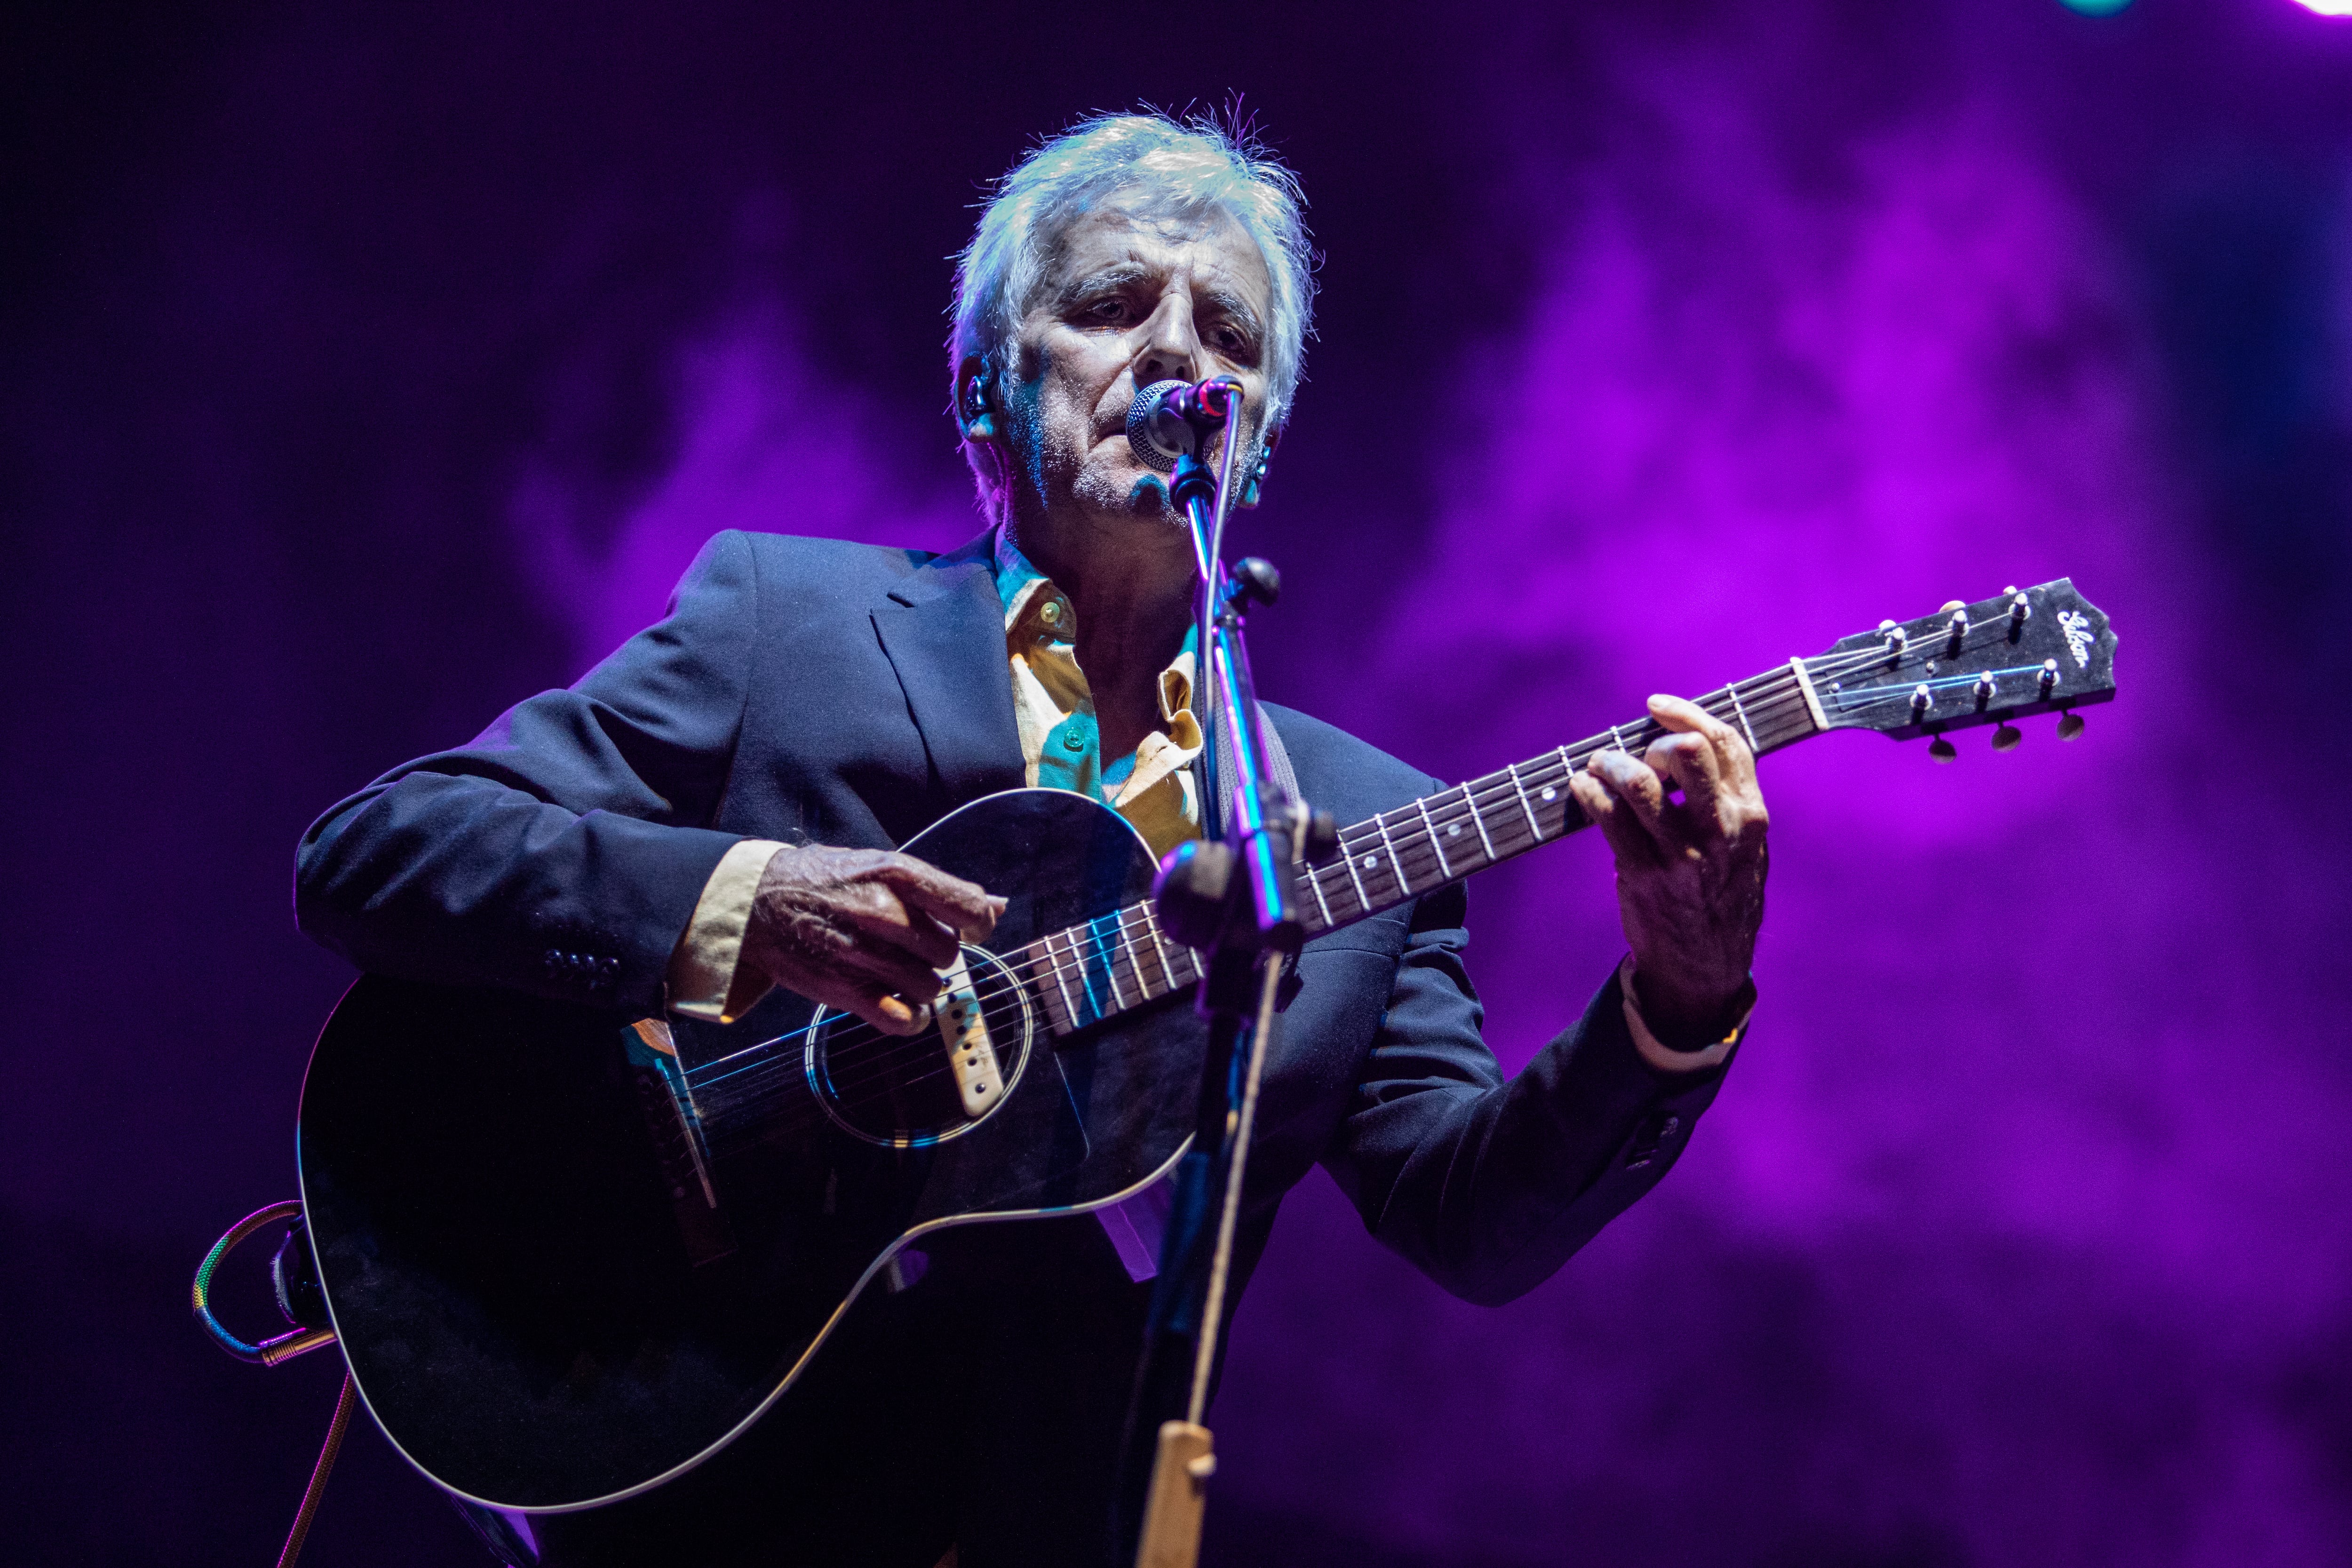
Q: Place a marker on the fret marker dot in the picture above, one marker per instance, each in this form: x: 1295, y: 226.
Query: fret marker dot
x: 1550, y: 794
x: 1372, y: 859
x: 1453, y: 830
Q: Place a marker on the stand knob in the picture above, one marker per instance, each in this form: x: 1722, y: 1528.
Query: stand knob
x: 1190, y: 891
x: 1254, y: 581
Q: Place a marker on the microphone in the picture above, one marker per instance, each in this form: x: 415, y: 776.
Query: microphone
x: 1168, y: 419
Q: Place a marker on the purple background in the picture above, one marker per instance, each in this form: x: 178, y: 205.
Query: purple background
x: 366, y: 373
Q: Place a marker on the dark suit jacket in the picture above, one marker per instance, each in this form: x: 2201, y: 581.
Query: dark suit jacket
x: 812, y: 690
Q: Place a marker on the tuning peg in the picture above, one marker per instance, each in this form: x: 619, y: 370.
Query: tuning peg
x: 2069, y: 725
x: 1942, y: 749
x: 1951, y: 606
x: 2005, y: 738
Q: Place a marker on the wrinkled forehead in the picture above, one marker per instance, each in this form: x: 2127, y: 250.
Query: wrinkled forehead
x: 1118, y: 240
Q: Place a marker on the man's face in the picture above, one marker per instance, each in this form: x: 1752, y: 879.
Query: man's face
x: 1126, y: 302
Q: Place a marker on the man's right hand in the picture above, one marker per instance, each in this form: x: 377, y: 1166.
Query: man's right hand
x: 864, y: 930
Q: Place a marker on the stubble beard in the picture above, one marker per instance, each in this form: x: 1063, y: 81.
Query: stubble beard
x: 1057, y: 475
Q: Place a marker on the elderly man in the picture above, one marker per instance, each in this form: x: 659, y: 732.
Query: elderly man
x: 712, y: 813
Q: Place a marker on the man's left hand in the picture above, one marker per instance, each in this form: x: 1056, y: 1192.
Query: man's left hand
x: 1690, y: 874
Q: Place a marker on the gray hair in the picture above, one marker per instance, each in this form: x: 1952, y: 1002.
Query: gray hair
x: 1155, y: 166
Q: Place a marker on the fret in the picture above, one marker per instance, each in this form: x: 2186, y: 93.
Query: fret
x: 1062, y: 984
x: 1753, y: 744
x: 1151, y: 925
x: 1430, y: 827
x: 1107, y: 965
x: 1348, y: 859
x: 1090, y: 1010
x: 1068, y: 974
x: 1132, y: 939
x: 1188, y: 965
x: 1314, y: 878
x: 1110, y: 966
x: 1470, y: 799
x: 1535, y: 828
x: 1396, y: 865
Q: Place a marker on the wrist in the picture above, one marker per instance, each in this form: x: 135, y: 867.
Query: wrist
x: 1690, y: 1020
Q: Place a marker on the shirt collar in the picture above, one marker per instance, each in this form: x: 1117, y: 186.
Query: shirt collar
x: 1014, y: 572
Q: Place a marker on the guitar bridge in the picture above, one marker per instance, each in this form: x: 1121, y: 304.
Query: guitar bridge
x: 964, y: 1030
x: 678, y: 1149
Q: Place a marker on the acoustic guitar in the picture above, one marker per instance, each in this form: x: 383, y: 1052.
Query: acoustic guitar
x: 566, y: 1266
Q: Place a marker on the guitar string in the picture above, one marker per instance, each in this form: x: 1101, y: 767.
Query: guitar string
x: 1775, y: 696
x: 848, y: 1103
x: 1036, y: 961
x: 1453, y: 805
x: 1471, y: 800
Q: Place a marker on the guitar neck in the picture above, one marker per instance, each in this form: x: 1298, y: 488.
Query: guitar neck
x: 1091, y: 972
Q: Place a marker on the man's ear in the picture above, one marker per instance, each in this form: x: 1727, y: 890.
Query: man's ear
x: 976, y: 393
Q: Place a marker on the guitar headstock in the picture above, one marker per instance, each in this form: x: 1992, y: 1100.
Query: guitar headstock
x: 2043, y: 650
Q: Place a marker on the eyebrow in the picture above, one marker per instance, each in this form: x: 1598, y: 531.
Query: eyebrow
x: 1115, y: 274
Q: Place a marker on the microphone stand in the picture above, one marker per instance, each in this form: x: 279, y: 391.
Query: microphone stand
x: 1231, y: 897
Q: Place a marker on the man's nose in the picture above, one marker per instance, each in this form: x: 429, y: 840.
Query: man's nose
x: 1171, y: 351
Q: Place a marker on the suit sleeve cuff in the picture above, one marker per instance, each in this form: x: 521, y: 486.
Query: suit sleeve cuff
x: 1664, y: 1058
x: 703, y: 979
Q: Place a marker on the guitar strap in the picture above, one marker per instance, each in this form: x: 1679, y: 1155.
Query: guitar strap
x: 1220, y: 792
x: 1212, y: 760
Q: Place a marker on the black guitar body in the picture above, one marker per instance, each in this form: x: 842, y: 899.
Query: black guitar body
x: 558, y: 1284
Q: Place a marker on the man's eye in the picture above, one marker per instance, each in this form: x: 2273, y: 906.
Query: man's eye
x: 1107, y: 309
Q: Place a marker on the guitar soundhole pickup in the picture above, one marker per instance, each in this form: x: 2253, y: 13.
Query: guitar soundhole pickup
x: 963, y: 1029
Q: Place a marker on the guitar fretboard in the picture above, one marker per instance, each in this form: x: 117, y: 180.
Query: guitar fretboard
x: 1092, y: 972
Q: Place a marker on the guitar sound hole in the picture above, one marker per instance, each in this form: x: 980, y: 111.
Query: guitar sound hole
x: 901, y: 1090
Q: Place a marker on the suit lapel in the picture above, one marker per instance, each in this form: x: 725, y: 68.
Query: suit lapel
x: 942, y: 628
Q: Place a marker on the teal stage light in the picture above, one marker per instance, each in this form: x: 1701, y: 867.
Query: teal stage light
x: 2096, y: 7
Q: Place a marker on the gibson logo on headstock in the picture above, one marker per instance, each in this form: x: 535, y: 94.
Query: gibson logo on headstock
x: 2077, y: 628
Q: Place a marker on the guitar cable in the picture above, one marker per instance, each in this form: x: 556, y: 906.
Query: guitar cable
x: 344, y: 1401
x: 294, y: 1274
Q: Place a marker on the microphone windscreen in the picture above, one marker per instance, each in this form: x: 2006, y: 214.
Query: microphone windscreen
x: 1158, y: 435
